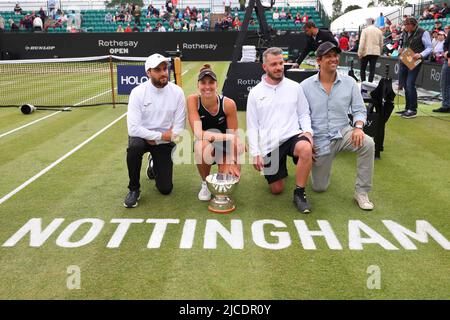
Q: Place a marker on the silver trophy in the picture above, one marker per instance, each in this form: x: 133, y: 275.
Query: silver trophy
x: 221, y: 185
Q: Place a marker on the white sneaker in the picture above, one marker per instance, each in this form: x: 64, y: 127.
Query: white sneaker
x: 363, y: 201
x: 204, y: 194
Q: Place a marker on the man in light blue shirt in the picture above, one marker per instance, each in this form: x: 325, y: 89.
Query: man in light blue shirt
x: 331, y: 97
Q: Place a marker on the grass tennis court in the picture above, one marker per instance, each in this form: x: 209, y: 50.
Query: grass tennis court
x: 411, y: 183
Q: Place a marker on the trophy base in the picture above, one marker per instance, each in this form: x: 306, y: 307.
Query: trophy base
x: 221, y: 205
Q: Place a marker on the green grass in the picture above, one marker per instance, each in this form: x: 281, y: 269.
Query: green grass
x: 411, y: 182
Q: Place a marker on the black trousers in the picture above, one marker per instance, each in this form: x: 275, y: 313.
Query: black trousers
x: 373, y: 61
x: 162, y: 163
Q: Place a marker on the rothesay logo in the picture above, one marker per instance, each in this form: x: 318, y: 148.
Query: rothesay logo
x: 116, y: 47
x: 199, y: 46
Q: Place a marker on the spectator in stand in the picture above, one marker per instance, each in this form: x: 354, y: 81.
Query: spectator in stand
x: 51, y: 5
x: 446, y: 30
x: 391, y: 44
x: 426, y: 15
x: 343, y: 41
x: 119, y: 28
x: 370, y: 48
x: 276, y: 15
x: 438, y: 26
x: 236, y: 23
x: 305, y: 18
x: 445, y: 10
x: 169, y: 6
x: 175, y: 4
x: 2, y: 24
x: 150, y: 11
x: 194, y: 13
x: 42, y: 14
x: 241, y: 5
x: 148, y: 27
x: 17, y: 9
x: 136, y: 28
x: 13, y: 26
x: 434, y: 35
x: 137, y: 15
x: 108, y: 17
x: 200, y: 16
x: 227, y: 4
x: 336, y: 37
x: 161, y: 28
x: 352, y: 42
x: 128, y: 28
x: 177, y: 25
x: 380, y: 21
x: 445, y: 78
x: 225, y: 24
x: 38, y: 24
x: 282, y: 14
x: 289, y: 15
x: 187, y: 13
x: 205, y: 25
x: 437, y: 55
x: 218, y: 25
x: 199, y: 25
x: 298, y: 18
x: 192, y: 25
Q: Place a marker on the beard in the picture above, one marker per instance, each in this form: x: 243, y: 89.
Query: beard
x: 161, y: 82
x: 275, y: 77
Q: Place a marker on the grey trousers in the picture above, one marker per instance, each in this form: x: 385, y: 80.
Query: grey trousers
x: 321, y: 170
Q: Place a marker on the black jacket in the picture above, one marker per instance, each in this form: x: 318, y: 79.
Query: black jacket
x: 311, y: 45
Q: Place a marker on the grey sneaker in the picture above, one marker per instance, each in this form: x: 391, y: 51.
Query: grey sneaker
x: 301, y: 202
x: 363, y: 201
x: 150, y: 171
x: 409, y: 114
x: 131, y: 200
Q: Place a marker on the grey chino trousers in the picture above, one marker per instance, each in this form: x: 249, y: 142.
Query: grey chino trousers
x: 321, y: 170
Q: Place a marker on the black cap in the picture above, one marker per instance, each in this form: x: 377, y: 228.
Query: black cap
x: 207, y: 72
x: 325, y: 47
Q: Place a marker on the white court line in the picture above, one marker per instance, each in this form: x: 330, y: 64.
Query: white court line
x: 28, y: 124
x: 50, y: 115
x: 44, y: 171
x: 54, y: 164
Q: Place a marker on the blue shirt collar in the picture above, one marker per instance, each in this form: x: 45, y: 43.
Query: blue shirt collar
x: 338, y: 77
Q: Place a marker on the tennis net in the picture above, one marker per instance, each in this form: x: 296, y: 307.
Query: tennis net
x: 70, y: 82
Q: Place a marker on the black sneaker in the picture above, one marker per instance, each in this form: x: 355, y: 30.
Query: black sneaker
x: 409, y: 114
x: 131, y: 200
x: 443, y: 110
x: 150, y: 172
x: 301, y: 203
x: 401, y: 112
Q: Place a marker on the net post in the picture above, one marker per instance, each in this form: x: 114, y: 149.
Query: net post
x: 111, y: 71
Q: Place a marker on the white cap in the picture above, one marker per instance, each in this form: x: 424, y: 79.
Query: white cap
x: 154, y: 60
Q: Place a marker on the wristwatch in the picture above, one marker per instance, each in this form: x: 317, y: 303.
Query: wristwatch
x: 359, y: 126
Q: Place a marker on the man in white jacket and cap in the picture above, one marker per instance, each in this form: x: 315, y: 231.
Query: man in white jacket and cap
x: 156, y: 115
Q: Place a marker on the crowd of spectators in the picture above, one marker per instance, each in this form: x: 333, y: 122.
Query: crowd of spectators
x: 187, y: 19
x: 392, y: 33
x: 435, y: 12
x: 42, y: 20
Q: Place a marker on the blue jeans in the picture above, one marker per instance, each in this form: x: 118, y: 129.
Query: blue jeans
x: 445, y: 85
x: 407, y: 80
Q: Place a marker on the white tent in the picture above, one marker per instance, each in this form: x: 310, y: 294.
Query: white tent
x: 351, y: 21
